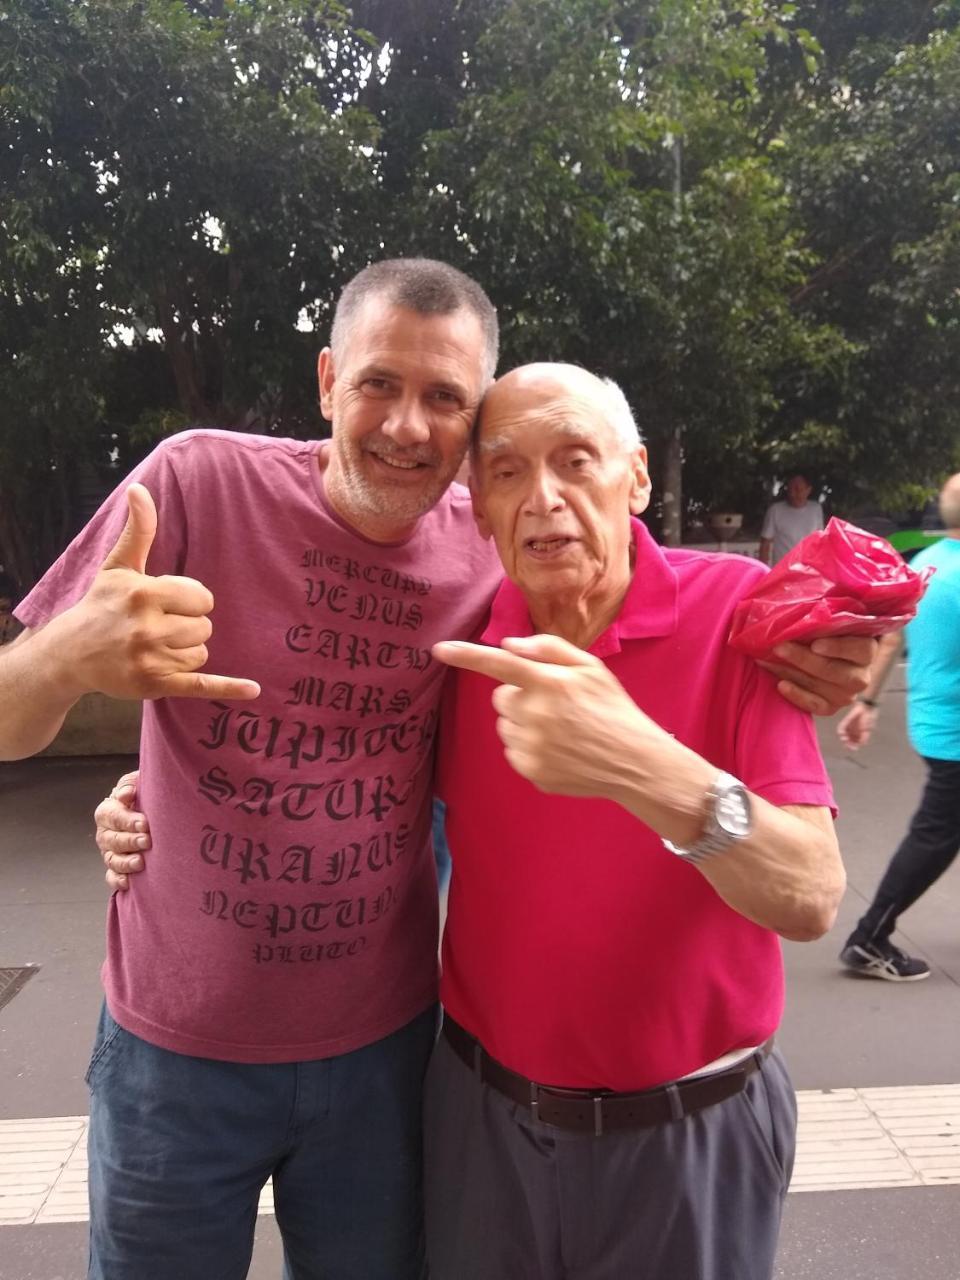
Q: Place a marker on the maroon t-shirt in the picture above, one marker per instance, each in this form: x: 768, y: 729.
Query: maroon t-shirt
x: 288, y: 909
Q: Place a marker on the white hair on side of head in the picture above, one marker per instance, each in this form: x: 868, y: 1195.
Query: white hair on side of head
x: 621, y: 416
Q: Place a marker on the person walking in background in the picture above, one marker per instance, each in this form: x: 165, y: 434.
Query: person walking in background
x: 933, y: 721
x: 790, y: 519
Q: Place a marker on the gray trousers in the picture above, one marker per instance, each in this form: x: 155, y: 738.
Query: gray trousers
x: 510, y: 1198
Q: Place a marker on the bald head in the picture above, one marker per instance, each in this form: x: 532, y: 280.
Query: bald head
x: 558, y: 469
x: 950, y: 502
x: 552, y: 386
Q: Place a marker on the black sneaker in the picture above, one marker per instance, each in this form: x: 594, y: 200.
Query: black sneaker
x: 883, y: 960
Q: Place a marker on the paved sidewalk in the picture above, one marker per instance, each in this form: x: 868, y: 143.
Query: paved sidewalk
x: 877, y: 1065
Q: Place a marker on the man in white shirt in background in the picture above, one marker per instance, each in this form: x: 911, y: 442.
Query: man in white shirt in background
x: 790, y: 519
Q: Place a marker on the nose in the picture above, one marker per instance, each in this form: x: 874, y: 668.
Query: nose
x: 544, y: 495
x: 407, y: 422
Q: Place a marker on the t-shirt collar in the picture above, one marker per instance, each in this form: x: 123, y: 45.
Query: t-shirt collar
x: 649, y: 608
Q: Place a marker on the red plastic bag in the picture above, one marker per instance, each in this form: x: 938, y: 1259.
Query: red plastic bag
x: 842, y: 581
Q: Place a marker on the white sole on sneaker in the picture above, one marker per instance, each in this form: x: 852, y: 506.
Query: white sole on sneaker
x: 877, y: 968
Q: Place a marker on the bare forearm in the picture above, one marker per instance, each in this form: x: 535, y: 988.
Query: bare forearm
x: 786, y: 876
x: 37, y: 689
x: 569, y: 726
x: 887, y: 654
x: 765, y: 550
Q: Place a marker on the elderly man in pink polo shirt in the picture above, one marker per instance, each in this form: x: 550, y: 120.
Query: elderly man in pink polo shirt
x: 636, y: 819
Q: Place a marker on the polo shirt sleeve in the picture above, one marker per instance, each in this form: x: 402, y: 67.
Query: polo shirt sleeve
x: 776, y: 750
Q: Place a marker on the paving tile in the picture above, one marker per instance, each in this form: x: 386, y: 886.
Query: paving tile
x: 847, y: 1138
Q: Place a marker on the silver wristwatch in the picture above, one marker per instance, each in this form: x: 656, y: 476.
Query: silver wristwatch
x: 728, y: 818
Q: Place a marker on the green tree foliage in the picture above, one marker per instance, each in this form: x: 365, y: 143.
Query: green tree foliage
x: 610, y: 178
x: 873, y: 169
x: 191, y: 175
x: 746, y: 214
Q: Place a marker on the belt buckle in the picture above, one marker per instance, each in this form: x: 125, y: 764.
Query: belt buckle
x: 534, y: 1100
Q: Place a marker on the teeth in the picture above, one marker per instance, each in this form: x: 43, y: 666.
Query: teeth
x: 397, y: 462
x: 545, y: 545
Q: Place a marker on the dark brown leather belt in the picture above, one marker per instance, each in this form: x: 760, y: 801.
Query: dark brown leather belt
x: 599, y: 1111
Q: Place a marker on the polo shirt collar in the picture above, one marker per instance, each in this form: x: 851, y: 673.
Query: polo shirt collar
x: 649, y: 608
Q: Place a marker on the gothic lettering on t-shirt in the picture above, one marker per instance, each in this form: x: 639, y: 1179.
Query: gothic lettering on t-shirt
x: 362, y: 606
x: 245, y: 859
x: 354, y: 650
x: 307, y: 953
x: 342, y: 695
x: 299, y: 743
x: 371, y: 574
x: 339, y: 799
x: 278, y: 919
x: 343, y: 746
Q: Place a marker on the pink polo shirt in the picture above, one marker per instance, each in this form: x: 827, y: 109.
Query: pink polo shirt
x: 578, y: 950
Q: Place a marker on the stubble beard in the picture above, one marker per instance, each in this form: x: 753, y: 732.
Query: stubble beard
x: 385, y: 502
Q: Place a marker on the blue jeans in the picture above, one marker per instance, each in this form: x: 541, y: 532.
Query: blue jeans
x: 441, y: 850
x: 181, y: 1147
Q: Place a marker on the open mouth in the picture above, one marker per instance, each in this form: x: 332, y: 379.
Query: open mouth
x: 552, y: 546
x: 399, y: 464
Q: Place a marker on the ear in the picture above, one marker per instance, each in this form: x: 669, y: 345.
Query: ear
x: 639, y: 481
x: 483, y: 525
x: 325, y: 379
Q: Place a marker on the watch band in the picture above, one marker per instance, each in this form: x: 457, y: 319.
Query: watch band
x: 716, y: 837
x: 705, y: 848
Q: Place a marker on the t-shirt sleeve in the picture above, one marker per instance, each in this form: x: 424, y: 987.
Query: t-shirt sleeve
x: 769, y: 524
x: 70, y: 577
x: 777, y: 754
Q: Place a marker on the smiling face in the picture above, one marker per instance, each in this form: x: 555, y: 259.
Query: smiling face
x: 554, y: 485
x: 402, y: 398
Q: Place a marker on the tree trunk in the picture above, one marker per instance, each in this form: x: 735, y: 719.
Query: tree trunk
x: 185, y: 373
x: 672, y: 493
x: 15, y: 552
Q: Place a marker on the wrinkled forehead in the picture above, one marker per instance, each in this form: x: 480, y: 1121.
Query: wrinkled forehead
x: 539, y: 415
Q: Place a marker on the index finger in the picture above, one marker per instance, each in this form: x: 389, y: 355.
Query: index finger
x: 198, y: 684
x: 508, y: 668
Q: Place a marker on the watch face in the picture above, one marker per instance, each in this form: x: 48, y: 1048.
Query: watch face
x: 733, y: 812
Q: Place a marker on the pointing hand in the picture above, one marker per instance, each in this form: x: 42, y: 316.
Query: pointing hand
x: 563, y: 716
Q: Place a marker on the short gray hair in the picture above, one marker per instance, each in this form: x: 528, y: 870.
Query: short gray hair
x: 422, y: 285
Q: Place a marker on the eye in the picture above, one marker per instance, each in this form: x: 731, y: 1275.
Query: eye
x: 578, y: 461
x: 376, y: 386
x: 503, y: 473
x: 446, y: 397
